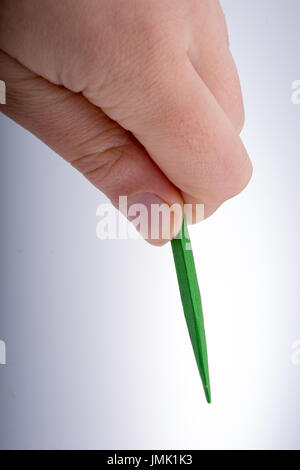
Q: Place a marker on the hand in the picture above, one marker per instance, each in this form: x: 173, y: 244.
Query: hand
x: 141, y: 96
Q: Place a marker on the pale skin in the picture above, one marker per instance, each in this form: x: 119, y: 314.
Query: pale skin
x: 141, y: 96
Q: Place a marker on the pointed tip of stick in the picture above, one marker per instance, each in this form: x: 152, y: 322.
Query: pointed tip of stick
x: 207, y: 393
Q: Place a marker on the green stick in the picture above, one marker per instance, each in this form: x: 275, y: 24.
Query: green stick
x: 191, y: 301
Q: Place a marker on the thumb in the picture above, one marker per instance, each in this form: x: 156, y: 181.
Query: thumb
x: 106, y: 154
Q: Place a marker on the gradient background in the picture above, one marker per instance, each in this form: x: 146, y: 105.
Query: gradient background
x: 98, y: 354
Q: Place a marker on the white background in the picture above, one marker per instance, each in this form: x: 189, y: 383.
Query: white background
x: 98, y: 354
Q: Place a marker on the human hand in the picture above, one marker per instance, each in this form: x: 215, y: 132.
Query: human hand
x: 141, y: 96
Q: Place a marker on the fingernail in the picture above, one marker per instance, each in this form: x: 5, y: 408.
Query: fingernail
x: 157, y: 221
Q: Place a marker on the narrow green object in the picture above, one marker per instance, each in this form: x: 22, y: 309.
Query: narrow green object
x: 191, y: 301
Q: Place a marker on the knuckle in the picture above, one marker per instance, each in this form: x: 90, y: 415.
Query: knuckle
x: 127, y: 49
x: 98, y: 166
x: 98, y: 156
